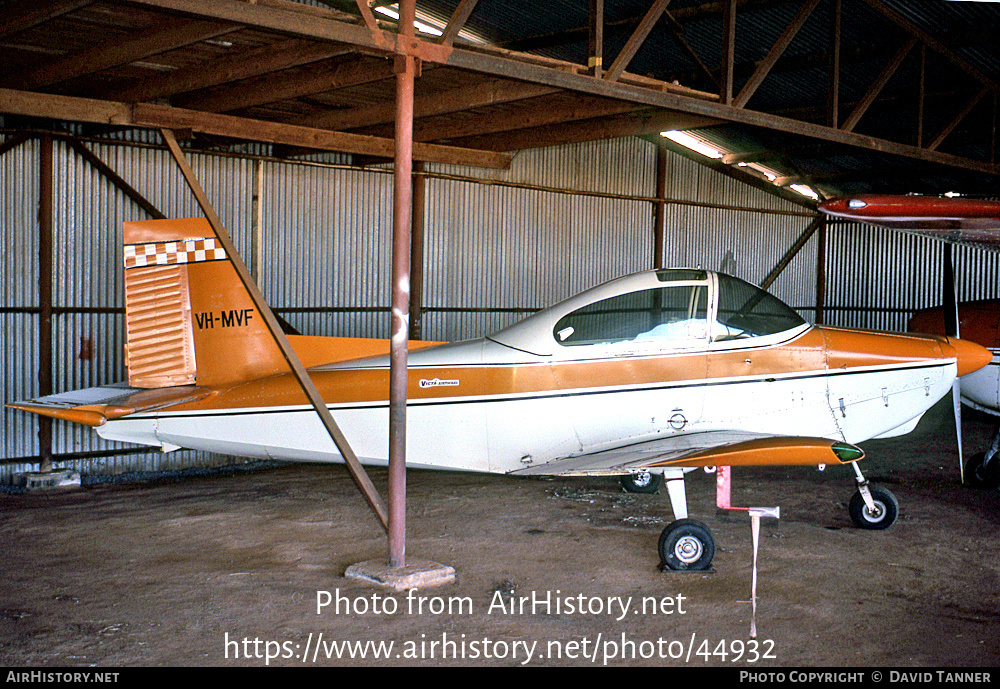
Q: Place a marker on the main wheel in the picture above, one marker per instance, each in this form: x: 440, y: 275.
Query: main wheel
x: 882, y: 517
x: 686, y: 544
x: 979, y: 474
x: 642, y: 482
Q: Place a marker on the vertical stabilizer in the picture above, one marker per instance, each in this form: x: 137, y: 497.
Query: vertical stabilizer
x: 189, y: 319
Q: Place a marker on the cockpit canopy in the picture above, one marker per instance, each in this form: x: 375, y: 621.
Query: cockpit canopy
x: 661, y: 310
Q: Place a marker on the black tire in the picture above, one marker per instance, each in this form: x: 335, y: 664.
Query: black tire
x: 642, y: 482
x: 983, y: 477
x: 686, y: 544
x: 886, y: 506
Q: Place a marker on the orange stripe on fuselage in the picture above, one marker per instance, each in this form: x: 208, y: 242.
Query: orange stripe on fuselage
x: 817, y: 351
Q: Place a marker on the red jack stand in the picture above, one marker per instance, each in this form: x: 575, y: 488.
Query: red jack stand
x: 723, y: 486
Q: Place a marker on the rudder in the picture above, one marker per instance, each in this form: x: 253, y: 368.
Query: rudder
x: 189, y: 319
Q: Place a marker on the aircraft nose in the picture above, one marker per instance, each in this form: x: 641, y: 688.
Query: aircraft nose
x: 971, y: 357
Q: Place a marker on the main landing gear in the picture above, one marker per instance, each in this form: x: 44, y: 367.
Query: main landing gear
x: 642, y: 482
x: 983, y: 468
x: 687, y: 544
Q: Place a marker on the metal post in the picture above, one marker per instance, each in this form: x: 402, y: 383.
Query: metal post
x: 659, y: 218
x: 417, y: 253
x: 45, y: 298
x: 821, y: 275
x: 402, y: 209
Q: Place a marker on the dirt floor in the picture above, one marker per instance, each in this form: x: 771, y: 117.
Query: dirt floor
x: 231, y: 571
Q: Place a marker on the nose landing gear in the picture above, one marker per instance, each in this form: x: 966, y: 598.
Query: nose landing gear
x: 872, y: 507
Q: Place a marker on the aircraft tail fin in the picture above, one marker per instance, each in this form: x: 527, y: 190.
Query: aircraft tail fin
x: 189, y: 319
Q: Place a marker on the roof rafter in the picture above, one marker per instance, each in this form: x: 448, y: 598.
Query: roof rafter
x: 880, y: 81
x: 270, y: 88
x: 636, y: 40
x: 151, y: 41
x: 776, y: 51
x: 491, y: 92
x: 264, y: 59
x: 161, y: 116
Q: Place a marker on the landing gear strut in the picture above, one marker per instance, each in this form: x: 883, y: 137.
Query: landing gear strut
x: 983, y: 469
x: 687, y: 544
x: 872, y: 507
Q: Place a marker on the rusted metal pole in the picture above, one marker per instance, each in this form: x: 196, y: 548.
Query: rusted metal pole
x: 45, y: 298
x: 821, y: 274
x: 659, y: 216
x: 417, y: 253
x: 401, y: 217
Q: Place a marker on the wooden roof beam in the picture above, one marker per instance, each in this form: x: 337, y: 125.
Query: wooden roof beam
x: 876, y: 88
x: 270, y: 88
x: 726, y: 86
x: 518, y: 69
x: 158, y: 38
x: 294, y: 19
x: 776, y: 51
x: 227, y: 68
x: 638, y: 123
x: 637, y: 38
x: 682, y: 15
x: 950, y: 127
x: 458, y: 19
x: 161, y: 116
x: 932, y: 43
x: 546, y: 111
x: 677, y: 30
x: 21, y: 15
x: 490, y: 92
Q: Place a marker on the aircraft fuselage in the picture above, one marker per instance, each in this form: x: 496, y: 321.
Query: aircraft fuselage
x: 484, y: 406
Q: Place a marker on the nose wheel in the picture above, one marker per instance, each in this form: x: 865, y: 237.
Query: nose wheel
x: 882, y: 513
x: 872, y: 507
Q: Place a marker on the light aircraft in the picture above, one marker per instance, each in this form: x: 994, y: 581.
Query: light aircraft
x: 958, y: 220
x: 664, y: 371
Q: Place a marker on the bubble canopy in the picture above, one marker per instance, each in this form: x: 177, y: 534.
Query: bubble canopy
x: 656, y: 311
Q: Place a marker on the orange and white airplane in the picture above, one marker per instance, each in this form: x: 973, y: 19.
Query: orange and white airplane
x: 650, y: 375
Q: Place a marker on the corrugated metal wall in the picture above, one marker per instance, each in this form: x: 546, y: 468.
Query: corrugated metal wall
x: 498, y: 244
x: 19, y: 195
x: 877, y: 278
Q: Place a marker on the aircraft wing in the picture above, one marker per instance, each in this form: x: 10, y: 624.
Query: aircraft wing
x: 958, y: 219
x: 711, y: 448
x: 94, y: 406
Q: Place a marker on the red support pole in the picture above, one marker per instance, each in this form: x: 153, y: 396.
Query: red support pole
x: 401, y: 230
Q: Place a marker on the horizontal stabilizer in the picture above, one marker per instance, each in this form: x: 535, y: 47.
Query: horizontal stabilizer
x: 95, y: 406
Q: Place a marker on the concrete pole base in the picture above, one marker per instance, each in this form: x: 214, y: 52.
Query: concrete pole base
x: 418, y: 574
x: 62, y: 479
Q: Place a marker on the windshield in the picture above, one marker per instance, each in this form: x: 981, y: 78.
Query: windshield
x: 670, y: 315
x: 747, y: 311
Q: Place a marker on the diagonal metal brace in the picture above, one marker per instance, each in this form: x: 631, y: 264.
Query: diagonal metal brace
x: 357, y: 472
